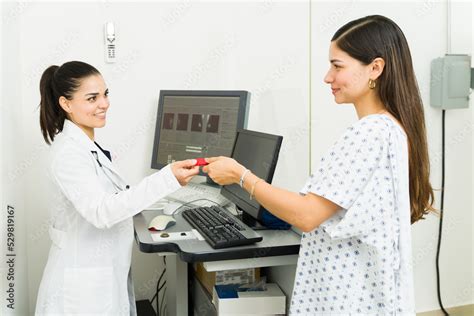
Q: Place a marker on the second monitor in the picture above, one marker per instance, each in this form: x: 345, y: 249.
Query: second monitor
x: 259, y: 153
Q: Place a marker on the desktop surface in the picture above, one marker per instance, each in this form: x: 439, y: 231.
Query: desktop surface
x: 274, y: 243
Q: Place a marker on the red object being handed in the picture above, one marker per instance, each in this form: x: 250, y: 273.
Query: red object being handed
x: 201, y: 162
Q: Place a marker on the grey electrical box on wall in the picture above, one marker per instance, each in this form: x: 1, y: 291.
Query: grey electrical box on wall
x: 450, y: 82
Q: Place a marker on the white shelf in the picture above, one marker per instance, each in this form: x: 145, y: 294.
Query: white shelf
x: 275, y: 261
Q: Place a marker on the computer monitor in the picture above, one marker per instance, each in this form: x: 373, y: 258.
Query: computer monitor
x: 197, y: 123
x: 259, y: 153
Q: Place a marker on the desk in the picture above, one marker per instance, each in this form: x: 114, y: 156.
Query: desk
x: 278, y: 247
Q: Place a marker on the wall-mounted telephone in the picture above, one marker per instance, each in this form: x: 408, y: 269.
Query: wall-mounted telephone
x: 109, y: 37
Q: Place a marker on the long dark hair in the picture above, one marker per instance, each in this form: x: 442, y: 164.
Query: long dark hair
x: 56, y: 82
x: 377, y: 36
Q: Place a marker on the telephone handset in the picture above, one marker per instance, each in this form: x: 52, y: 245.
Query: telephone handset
x: 109, y: 36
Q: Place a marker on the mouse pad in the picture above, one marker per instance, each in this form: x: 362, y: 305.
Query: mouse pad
x: 163, y: 236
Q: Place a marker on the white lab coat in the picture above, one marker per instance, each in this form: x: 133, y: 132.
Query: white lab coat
x: 91, y: 229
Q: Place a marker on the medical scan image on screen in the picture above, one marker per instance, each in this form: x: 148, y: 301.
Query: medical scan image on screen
x: 194, y: 126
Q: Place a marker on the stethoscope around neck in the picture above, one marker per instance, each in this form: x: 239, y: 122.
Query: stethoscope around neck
x: 106, y: 170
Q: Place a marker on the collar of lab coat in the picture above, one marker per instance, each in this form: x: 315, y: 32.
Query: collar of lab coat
x: 75, y: 132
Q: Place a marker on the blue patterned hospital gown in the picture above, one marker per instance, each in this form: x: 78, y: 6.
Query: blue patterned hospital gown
x: 358, y: 261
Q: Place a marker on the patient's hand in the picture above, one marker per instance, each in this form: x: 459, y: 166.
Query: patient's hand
x: 223, y: 170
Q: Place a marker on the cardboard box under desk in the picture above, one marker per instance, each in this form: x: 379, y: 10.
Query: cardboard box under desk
x: 272, y: 301
x: 237, y: 276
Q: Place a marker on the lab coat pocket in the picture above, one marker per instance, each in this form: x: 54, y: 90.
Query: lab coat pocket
x: 88, y: 290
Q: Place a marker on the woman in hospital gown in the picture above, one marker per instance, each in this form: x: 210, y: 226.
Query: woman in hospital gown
x: 355, y: 211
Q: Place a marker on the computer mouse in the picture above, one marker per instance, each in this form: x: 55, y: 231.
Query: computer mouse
x: 161, y: 222
x: 171, y: 207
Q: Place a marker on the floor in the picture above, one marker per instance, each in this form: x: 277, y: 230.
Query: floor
x: 466, y: 310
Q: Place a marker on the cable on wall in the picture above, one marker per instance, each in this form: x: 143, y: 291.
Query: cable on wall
x: 441, y: 208
x: 438, y: 281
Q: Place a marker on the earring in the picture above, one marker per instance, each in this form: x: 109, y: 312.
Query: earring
x: 371, y: 84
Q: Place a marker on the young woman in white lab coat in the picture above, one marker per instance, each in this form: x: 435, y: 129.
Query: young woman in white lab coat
x: 88, y: 269
x: 356, y: 210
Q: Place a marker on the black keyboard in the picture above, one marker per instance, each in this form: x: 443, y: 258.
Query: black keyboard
x: 220, y: 228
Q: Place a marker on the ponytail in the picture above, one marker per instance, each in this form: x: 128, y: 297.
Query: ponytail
x: 56, y: 82
x: 52, y: 116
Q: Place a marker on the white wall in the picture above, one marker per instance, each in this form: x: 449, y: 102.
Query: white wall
x: 456, y: 264
x: 425, y: 27
x: 12, y: 187
x: 262, y: 47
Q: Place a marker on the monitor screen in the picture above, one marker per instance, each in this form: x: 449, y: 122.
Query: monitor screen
x: 258, y: 152
x: 192, y: 124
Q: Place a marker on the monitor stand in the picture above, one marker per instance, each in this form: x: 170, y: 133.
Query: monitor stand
x: 251, y: 222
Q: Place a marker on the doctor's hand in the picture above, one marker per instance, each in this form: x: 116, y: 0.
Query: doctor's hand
x: 184, y: 170
x: 223, y: 170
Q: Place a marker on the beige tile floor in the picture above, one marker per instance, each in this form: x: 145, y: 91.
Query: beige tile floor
x: 466, y: 310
